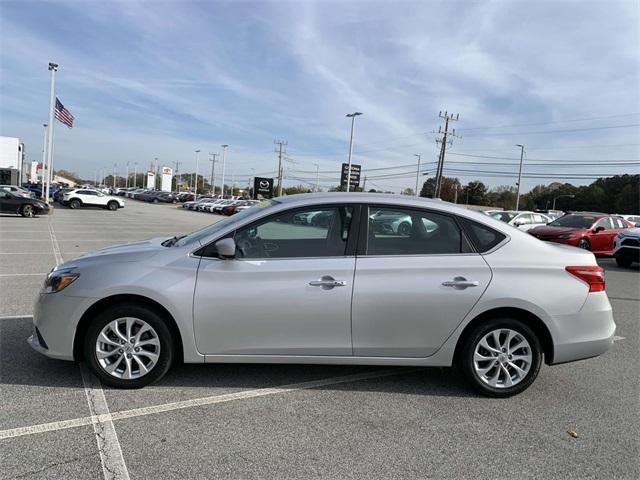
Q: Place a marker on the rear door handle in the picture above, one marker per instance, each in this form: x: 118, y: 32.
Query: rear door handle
x: 460, y: 283
x: 327, y: 282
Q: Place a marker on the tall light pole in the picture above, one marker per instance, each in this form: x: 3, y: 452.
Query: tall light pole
x: 126, y: 182
x: 317, y: 177
x: 135, y: 174
x: 224, y: 162
x: 115, y: 165
x: 417, y: 173
x: 44, y: 158
x: 353, y: 121
x: 53, y: 68
x: 195, y: 192
x: 519, y: 176
x: 252, y: 181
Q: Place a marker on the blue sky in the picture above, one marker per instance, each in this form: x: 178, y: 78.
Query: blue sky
x: 162, y: 79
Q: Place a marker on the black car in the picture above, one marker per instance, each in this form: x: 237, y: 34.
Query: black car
x: 57, y: 197
x: 27, y: 207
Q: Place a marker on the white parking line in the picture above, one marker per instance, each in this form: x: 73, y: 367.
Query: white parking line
x: 113, y: 464
x: 16, y: 317
x: 197, y: 402
x: 54, y: 243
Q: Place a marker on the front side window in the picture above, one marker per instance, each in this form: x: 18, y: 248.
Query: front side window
x: 323, y: 232
x: 396, y: 231
x: 605, y: 223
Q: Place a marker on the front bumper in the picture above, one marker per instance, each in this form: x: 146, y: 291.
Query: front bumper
x: 588, y: 333
x: 56, y: 317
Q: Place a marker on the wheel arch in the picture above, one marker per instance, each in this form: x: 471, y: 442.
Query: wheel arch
x: 532, y: 321
x: 106, y: 302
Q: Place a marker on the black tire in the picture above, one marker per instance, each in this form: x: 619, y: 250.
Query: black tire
x: 112, y: 206
x: 623, y: 262
x: 155, y: 200
x: 584, y: 244
x: 75, y: 203
x: 28, y: 211
x: 473, y: 337
x: 404, y: 229
x: 167, y: 347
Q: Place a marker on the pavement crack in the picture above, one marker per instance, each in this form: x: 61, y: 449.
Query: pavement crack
x: 53, y: 465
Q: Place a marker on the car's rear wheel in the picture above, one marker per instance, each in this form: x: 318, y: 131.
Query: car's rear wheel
x: 501, y: 357
x: 27, y: 211
x: 584, y: 244
x: 75, y: 203
x: 623, y: 262
x: 128, y: 346
x: 112, y: 206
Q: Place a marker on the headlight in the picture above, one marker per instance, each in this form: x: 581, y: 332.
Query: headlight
x: 58, y: 280
x: 565, y: 235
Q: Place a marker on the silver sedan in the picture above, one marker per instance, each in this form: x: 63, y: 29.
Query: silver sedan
x: 457, y: 287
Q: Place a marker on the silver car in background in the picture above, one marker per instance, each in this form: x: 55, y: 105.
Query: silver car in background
x: 264, y: 286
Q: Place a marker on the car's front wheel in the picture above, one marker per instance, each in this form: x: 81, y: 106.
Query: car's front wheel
x: 112, y: 206
x: 501, y: 357
x: 27, y: 211
x: 75, y: 203
x: 128, y: 346
x: 584, y: 244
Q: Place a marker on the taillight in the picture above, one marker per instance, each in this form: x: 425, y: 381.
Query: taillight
x: 592, y: 276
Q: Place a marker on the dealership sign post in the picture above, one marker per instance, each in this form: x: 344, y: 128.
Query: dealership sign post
x: 355, y: 176
x: 151, y: 180
x: 262, y: 187
x: 167, y: 175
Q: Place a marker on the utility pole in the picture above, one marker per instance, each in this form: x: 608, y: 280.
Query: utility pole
x: 195, y: 192
x: 114, y: 174
x: 417, y: 173
x: 353, y: 121
x: 519, y: 176
x: 280, y: 143
x: 455, y: 197
x: 443, y: 141
x: 175, y: 174
x: 364, y: 183
x: 213, y: 172
x: 126, y: 181
x: 224, y: 163
x: 155, y: 177
x: 317, y: 177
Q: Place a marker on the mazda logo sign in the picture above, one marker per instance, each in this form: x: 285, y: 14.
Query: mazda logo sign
x: 264, y: 184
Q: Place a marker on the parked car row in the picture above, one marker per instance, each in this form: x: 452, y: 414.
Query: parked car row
x: 222, y: 206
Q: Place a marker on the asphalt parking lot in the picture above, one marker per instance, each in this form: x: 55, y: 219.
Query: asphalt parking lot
x: 270, y: 421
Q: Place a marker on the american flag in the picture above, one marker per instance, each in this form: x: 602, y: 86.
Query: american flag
x: 63, y: 114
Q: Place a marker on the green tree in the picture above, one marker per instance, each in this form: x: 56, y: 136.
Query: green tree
x: 475, y: 193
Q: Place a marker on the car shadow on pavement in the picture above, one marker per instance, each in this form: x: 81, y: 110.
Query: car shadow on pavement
x: 20, y: 365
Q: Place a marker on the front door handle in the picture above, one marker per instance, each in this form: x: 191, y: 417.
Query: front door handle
x: 460, y: 283
x: 327, y: 282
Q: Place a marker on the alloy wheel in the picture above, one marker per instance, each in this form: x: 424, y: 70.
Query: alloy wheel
x: 127, y: 348
x: 27, y: 211
x: 502, y: 358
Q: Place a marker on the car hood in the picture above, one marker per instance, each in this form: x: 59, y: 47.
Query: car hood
x: 547, y: 230
x: 126, y: 252
x: 630, y: 232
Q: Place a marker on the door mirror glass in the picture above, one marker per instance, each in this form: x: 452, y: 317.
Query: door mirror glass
x: 226, y: 248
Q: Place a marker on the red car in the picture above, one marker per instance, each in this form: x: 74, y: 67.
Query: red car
x: 591, y: 231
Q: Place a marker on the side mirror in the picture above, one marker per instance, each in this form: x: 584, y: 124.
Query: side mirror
x: 226, y: 248
x: 518, y: 224
x: 598, y: 229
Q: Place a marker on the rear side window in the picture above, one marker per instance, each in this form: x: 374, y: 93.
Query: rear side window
x: 484, y: 238
x: 396, y: 231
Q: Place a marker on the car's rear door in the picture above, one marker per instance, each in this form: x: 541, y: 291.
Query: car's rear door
x: 287, y: 292
x: 412, y: 288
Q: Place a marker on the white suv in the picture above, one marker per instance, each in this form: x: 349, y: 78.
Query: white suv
x: 84, y: 196
x: 626, y: 247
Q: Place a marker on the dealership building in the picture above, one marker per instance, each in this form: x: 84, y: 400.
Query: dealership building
x: 11, y: 161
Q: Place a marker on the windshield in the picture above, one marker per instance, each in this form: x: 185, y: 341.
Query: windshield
x: 574, y: 221
x: 218, y: 226
x: 503, y: 216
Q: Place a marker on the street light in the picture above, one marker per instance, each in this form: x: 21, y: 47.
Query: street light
x: 195, y: 192
x: 353, y: 121
x: 317, y: 177
x: 417, y: 172
x: 560, y: 196
x: 519, y: 176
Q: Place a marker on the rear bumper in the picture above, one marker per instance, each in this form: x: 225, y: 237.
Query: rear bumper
x: 587, y: 334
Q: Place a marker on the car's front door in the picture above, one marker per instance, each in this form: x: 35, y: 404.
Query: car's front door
x: 287, y: 292
x: 412, y: 288
x: 602, y: 241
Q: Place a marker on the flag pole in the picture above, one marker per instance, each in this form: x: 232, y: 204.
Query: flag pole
x: 53, y: 67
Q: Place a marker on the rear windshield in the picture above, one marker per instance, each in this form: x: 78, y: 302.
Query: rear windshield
x: 574, y: 221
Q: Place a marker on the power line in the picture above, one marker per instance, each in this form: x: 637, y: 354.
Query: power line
x: 553, y: 123
x: 554, y: 131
